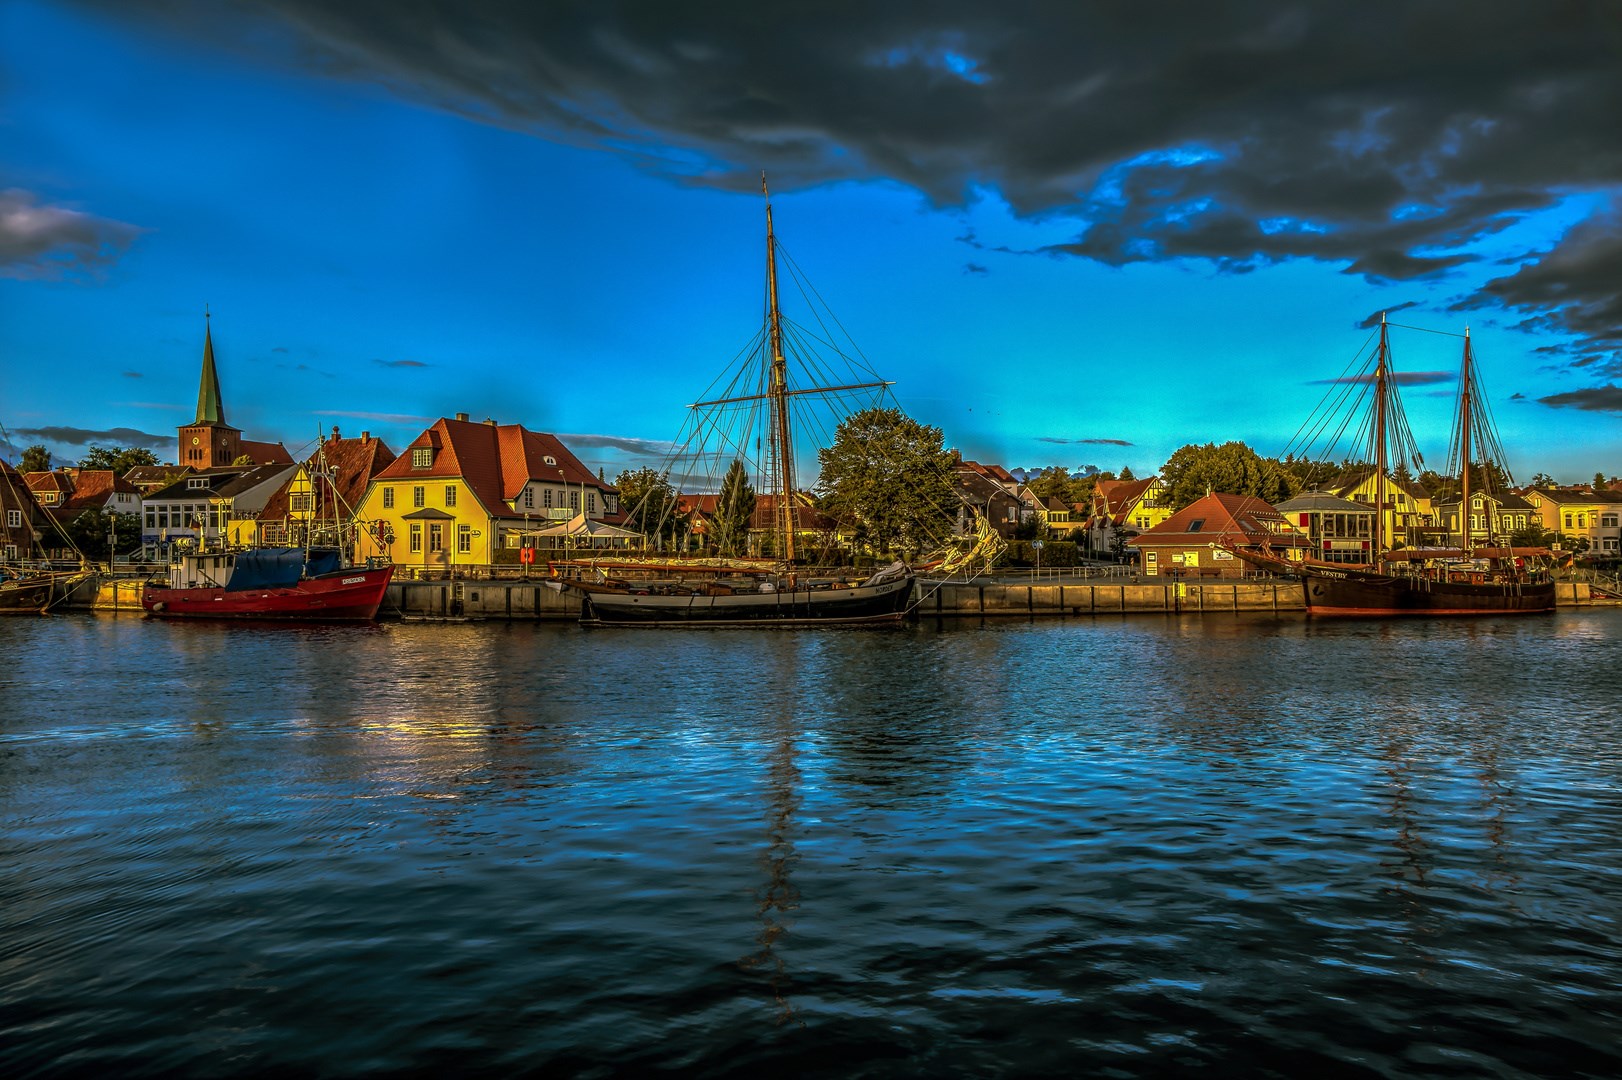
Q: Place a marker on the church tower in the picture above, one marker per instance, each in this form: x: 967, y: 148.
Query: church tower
x: 208, y: 441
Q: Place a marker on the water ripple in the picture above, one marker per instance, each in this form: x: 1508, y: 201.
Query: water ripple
x: 1250, y: 845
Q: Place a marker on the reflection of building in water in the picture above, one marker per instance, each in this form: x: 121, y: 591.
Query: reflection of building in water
x: 779, y: 896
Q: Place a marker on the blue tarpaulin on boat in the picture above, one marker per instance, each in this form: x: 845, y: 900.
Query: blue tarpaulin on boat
x: 323, y: 561
x: 267, y: 568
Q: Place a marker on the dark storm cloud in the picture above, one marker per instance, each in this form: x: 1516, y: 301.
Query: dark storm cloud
x: 1401, y: 378
x: 73, y: 436
x: 1595, y: 399
x: 1384, y: 136
x: 975, y: 268
x: 648, y: 448
x: 1083, y: 442
x: 1374, y: 319
x: 39, y: 241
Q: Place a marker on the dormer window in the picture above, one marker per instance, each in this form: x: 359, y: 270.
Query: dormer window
x: 197, y: 482
x: 550, y: 460
x: 422, y: 457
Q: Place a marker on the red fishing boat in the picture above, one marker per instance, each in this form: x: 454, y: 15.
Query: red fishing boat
x: 268, y: 583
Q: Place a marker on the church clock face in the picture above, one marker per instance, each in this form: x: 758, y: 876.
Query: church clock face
x: 195, y: 440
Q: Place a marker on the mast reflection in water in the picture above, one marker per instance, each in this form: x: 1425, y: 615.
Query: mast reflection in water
x: 1258, y: 846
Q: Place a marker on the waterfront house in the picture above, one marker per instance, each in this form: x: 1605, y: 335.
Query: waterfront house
x: 1580, y: 513
x: 1337, y: 529
x: 991, y: 490
x: 1199, y: 540
x: 211, y: 506
x: 318, y: 502
x: 1494, y: 518
x: 23, y: 523
x: 1409, y: 511
x: 464, y: 492
x: 149, y: 478
x: 1122, y: 509
x: 69, y: 492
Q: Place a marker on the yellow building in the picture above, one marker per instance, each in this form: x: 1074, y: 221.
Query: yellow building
x: 464, y: 491
x: 1408, y: 511
x: 306, y: 512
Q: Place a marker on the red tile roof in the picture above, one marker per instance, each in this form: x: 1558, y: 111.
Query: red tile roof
x: 354, y: 462
x: 494, y: 460
x: 1237, y: 519
x: 265, y: 453
x: 1115, y: 499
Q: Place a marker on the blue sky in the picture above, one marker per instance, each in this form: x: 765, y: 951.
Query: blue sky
x: 1070, y: 240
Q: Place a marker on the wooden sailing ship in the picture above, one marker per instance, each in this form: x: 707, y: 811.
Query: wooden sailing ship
x: 1468, y: 579
x: 783, y: 592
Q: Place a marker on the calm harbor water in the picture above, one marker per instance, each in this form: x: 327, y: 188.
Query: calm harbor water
x: 1251, y: 846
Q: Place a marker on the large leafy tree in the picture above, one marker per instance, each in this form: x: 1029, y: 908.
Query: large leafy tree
x: 733, y: 510
x: 35, y: 459
x: 120, y: 459
x: 890, y: 478
x: 1231, y: 469
x: 93, y: 530
x: 1056, y: 482
x: 648, y: 502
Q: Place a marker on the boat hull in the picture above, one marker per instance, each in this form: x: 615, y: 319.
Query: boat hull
x: 25, y: 597
x: 348, y: 595
x: 859, y: 605
x: 1353, y: 593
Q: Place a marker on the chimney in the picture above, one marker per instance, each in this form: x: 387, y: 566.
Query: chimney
x: 334, y: 432
x: 366, y: 436
x: 489, y: 421
x: 462, y: 416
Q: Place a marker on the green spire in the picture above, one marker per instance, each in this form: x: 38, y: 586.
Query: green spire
x: 209, y: 408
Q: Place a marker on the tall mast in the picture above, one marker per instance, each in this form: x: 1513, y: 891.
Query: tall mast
x: 1381, y: 406
x: 777, y: 393
x: 1465, y: 382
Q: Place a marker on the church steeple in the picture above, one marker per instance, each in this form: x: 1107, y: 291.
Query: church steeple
x: 208, y: 441
x: 210, y: 410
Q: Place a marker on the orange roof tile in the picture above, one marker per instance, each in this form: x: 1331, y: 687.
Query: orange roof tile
x: 494, y: 460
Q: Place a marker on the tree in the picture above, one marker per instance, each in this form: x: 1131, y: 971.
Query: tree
x: 889, y: 477
x: 1543, y: 480
x: 1232, y: 469
x: 1127, y: 473
x: 734, y: 509
x: 120, y: 459
x: 92, y: 530
x: 35, y: 459
x: 648, y: 502
x: 1599, y: 482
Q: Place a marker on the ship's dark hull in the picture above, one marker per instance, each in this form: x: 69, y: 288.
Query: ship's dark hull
x: 885, y: 602
x: 25, y: 597
x: 1351, y: 592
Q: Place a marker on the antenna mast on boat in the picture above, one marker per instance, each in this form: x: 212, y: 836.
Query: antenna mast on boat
x: 1381, y: 404
x: 1465, y: 377
x: 782, y: 449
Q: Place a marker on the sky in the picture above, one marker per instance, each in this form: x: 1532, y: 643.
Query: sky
x: 1073, y: 234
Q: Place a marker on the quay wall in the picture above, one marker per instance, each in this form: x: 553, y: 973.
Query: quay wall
x: 532, y: 600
